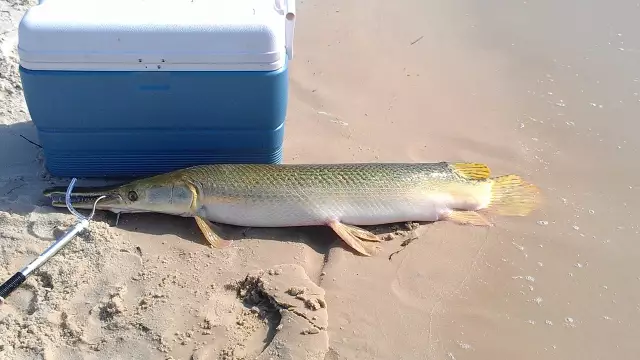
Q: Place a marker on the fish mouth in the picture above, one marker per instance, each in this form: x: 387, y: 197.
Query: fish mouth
x: 86, y: 197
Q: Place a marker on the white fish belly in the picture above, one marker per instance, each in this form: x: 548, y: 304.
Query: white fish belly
x: 287, y: 213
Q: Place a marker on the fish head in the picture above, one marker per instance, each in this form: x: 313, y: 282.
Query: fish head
x: 159, y: 194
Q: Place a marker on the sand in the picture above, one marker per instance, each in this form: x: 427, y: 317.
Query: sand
x: 545, y: 90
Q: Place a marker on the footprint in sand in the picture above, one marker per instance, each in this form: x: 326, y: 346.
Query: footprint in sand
x: 292, y: 309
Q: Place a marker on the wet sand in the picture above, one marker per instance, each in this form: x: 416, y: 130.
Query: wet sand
x: 545, y: 90
x: 566, y: 287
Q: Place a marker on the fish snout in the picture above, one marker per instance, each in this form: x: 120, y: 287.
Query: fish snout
x: 84, y: 198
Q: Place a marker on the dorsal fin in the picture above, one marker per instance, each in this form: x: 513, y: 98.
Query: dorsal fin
x: 472, y: 171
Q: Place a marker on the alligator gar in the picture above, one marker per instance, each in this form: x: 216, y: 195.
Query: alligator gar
x: 341, y: 196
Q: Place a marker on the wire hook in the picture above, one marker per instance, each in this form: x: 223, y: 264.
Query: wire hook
x: 67, y: 200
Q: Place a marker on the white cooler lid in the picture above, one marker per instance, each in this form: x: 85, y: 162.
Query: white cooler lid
x: 157, y: 35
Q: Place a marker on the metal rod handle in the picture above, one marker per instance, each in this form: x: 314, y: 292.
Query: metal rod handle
x: 8, y: 286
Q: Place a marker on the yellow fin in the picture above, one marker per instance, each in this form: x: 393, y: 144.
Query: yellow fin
x: 468, y: 218
x: 210, y: 234
x: 346, y: 233
x: 474, y: 171
x: 209, y: 230
x: 362, y: 233
x: 512, y: 196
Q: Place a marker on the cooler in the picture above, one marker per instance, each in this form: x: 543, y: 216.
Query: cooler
x: 127, y: 88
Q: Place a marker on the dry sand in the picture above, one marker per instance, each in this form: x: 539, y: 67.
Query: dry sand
x: 546, y: 90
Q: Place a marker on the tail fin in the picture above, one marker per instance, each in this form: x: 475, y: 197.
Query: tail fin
x: 512, y: 196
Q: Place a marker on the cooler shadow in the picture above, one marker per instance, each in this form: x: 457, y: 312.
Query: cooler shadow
x: 19, y: 149
x: 23, y: 175
x: 20, y: 168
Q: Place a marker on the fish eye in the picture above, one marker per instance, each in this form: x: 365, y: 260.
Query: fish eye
x: 132, y: 195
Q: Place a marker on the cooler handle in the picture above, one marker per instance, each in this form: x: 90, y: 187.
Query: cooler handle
x: 290, y: 24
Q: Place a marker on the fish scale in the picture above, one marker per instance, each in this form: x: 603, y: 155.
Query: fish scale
x: 334, y: 180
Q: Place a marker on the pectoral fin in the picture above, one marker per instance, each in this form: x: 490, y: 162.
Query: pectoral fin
x: 468, y: 218
x: 350, y: 236
x: 209, y: 231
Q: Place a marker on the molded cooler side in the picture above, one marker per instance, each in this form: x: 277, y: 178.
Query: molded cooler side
x: 139, y: 123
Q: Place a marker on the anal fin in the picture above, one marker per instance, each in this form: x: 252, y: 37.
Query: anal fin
x: 468, y: 218
x: 210, y: 234
x: 349, y: 235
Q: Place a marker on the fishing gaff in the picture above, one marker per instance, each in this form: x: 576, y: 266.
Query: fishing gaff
x: 18, y: 278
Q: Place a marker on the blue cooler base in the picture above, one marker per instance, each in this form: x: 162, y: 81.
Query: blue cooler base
x: 128, y: 165
x: 137, y: 123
